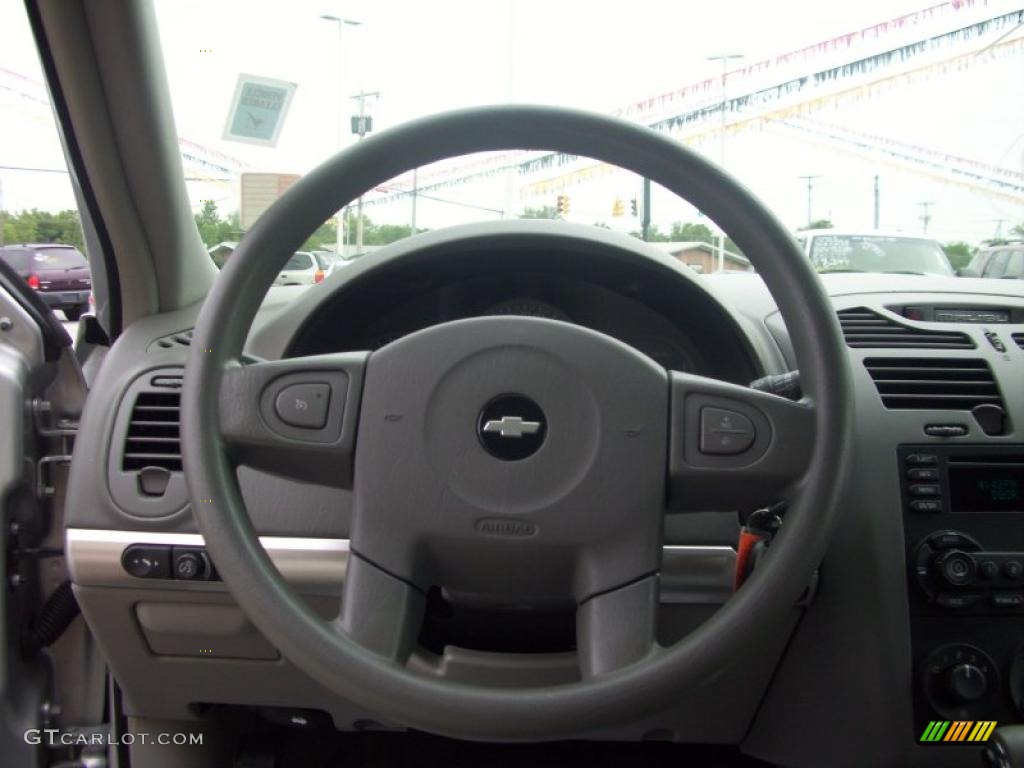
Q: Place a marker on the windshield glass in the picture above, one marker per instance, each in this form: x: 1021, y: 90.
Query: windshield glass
x: 873, y: 253
x: 902, y: 116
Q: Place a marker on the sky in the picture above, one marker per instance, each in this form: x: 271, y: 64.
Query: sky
x: 428, y: 57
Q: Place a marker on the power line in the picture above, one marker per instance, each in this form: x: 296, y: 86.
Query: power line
x: 33, y: 170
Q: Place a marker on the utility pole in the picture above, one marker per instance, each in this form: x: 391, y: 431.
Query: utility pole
x: 725, y: 58
x: 339, y: 220
x: 415, y: 189
x: 645, y: 222
x: 361, y: 97
x: 810, y: 196
x: 925, y: 216
x: 877, y: 195
x: 999, y: 228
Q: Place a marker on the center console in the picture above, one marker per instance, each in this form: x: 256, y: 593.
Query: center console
x: 963, y: 511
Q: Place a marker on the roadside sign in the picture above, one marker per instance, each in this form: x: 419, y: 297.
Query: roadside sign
x: 362, y: 125
x: 259, y: 191
x: 258, y: 110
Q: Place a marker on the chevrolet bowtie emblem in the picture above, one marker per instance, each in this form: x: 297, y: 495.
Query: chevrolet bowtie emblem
x: 512, y: 426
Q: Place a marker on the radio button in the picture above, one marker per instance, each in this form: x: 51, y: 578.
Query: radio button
x: 926, y: 505
x: 953, y: 540
x: 925, y: 490
x: 922, y: 459
x: 1007, y: 600
x: 957, y: 601
x: 1012, y: 569
x: 923, y: 474
x: 988, y: 569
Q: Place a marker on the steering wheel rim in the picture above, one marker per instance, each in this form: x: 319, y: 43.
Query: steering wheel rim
x: 459, y: 710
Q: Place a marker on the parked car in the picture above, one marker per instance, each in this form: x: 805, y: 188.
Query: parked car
x: 59, y: 273
x: 303, y: 268
x: 329, y: 262
x: 832, y: 250
x: 1004, y: 261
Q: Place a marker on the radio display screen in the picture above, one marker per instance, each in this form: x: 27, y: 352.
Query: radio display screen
x: 989, y: 488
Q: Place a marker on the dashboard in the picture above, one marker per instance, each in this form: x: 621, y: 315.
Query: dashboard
x: 886, y: 616
x: 530, y: 295
x: 657, y: 310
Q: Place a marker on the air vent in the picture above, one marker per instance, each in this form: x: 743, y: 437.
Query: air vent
x: 864, y: 328
x: 153, y: 438
x: 1018, y: 339
x: 933, y: 383
x: 182, y: 339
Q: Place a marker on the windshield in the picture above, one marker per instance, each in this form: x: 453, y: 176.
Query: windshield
x: 873, y: 253
x: 902, y: 116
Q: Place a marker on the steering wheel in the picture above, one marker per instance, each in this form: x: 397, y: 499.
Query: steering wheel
x: 515, y: 458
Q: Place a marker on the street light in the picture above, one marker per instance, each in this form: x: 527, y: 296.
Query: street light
x: 725, y: 58
x: 342, y: 23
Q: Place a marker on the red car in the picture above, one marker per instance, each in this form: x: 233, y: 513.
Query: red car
x: 59, y: 273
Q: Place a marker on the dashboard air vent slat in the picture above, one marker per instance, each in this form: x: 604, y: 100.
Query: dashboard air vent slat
x: 933, y: 384
x: 864, y: 328
x: 153, y: 438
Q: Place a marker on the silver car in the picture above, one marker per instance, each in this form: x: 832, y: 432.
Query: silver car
x: 303, y: 268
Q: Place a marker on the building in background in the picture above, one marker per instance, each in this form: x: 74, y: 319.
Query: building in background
x: 703, y: 257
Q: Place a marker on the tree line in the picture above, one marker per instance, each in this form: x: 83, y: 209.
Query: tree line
x: 679, y: 232
x: 35, y: 226
x: 214, y: 229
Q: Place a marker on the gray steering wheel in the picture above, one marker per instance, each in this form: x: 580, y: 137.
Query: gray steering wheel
x: 417, y: 429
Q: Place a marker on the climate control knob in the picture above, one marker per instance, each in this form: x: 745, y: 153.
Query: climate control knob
x: 966, y: 683
x: 960, y: 682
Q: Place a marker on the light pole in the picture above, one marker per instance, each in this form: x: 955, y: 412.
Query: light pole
x: 925, y: 216
x: 810, y: 196
x: 342, y: 23
x: 361, y: 97
x: 725, y: 58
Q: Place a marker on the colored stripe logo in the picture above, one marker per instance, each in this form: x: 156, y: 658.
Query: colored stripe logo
x: 958, y: 730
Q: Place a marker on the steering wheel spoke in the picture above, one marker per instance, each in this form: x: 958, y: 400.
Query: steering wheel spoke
x: 294, y: 417
x: 617, y: 628
x: 733, y: 447
x: 379, y: 611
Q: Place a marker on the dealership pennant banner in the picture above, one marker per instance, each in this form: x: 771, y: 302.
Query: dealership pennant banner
x: 796, y: 97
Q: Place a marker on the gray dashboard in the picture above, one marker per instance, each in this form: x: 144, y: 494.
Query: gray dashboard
x: 856, y: 636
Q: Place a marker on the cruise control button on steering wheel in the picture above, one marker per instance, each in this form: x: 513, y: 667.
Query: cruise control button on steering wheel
x: 304, y: 405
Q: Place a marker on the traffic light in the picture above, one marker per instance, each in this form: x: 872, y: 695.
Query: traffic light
x: 634, y: 209
x: 562, y: 205
x: 618, y: 209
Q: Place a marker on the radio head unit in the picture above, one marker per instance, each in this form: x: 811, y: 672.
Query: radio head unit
x: 962, y: 478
